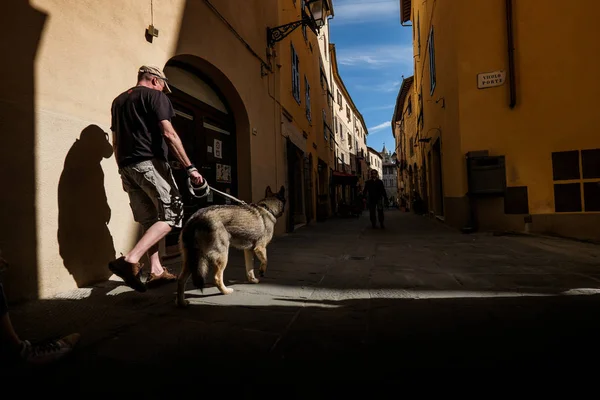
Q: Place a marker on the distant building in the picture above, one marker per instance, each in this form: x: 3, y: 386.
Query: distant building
x: 374, y: 160
x: 390, y: 174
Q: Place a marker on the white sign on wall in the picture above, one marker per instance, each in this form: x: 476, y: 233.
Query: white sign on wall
x: 491, y: 79
x: 218, y: 149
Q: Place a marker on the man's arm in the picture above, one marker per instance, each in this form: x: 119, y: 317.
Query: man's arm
x: 174, y: 142
x: 164, y: 112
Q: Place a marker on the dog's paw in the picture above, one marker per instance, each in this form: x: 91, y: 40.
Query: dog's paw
x: 181, y: 303
x: 227, y: 291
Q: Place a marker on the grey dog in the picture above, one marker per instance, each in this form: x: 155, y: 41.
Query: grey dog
x: 208, y: 233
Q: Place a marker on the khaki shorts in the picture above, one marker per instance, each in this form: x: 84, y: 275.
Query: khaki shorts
x: 153, y: 193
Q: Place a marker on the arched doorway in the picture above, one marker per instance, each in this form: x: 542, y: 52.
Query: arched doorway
x: 308, y: 187
x: 415, y: 184
x: 424, y: 178
x: 206, y: 123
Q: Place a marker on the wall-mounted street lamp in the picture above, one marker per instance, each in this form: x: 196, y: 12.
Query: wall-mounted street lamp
x: 313, y: 16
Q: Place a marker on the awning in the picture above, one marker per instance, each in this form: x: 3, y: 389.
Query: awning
x: 343, y: 178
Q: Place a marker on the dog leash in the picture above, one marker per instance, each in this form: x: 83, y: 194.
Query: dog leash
x: 227, y: 195
x: 204, y: 189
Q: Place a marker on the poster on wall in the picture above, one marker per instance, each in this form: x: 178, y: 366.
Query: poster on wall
x: 218, y: 149
x: 223, y: 173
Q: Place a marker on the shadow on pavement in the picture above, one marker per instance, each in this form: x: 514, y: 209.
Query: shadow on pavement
x: 370, y: 340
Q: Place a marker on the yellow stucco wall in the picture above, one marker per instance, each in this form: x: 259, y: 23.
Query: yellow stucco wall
x: 86, y: 55
x: 404, y: 130
x: 555, y: 100
x: 440, y: 108
x: 410, y: 131
x: 308, y: 52
x: 556, y: 86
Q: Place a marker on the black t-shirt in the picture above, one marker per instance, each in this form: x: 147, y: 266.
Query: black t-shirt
x: 375, y: 190
x: 135, y: 117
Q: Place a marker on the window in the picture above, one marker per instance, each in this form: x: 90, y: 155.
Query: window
x: 335, y: 124
x: 339, y: 99
x: 431, y: 61
x: 347, y: 112
x: 322, y: 74
x: 418, y: 35
x: 409, y: 106
x: 421, y: 117
x: 576, y: 176
x: 307, y: 98
x: 295, y: 75
x: 324, y: 123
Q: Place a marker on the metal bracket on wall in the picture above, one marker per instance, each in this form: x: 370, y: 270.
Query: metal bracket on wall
x: 279, y: 32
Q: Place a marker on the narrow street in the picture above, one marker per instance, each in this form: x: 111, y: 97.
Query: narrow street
x: 340, y: 298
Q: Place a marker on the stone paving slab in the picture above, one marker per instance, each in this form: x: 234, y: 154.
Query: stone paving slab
x: 338, y: 297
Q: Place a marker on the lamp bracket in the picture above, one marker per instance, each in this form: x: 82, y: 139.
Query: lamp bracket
x: 279, y: 32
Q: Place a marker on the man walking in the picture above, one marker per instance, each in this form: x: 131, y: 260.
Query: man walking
x: 142, y: 136
x: 376, y: 195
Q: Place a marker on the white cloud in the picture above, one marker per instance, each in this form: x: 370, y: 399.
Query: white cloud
x: 376, y: 57
x: 381, y: 126
x: 388, y: 86
x: 378, y: 108
x: 352, y: 11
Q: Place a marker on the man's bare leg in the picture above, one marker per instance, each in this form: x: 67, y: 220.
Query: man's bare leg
x: 149, y: 244
x: 155, y: 264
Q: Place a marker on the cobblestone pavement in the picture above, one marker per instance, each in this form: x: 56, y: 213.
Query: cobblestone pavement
x: 339, y: 299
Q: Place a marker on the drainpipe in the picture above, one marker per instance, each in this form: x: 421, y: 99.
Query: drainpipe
x: 511, y: 54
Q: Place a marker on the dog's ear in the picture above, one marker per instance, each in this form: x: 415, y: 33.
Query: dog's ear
x: 268, y: 192
x: 281, y: 192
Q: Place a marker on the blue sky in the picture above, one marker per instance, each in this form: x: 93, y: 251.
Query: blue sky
x: 373, y: 52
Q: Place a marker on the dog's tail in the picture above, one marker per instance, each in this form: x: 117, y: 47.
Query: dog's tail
x: 193, y: 259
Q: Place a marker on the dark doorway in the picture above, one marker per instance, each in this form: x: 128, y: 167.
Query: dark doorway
x: 208, y: 135
x: 308, y: 187
x: 437, y: 184
x: 295, y: 163
x: 424, y: 178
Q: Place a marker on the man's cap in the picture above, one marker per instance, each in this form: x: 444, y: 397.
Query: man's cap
x: 158, y: 73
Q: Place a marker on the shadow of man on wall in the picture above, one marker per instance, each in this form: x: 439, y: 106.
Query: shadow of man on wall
x: 86, y: 245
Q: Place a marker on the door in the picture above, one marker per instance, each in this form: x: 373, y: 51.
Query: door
x: 437, y: 180
x: 308, y: 184
x: 295, y: 204
x: 208, y: 136
x: 220, y: 162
